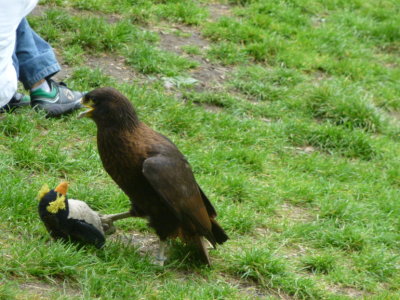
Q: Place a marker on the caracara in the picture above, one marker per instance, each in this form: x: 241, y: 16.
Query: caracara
x: 153, y: 173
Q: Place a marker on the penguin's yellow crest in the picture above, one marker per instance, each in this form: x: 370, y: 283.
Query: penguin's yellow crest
x: 43, y: 191
x: 57, y: 204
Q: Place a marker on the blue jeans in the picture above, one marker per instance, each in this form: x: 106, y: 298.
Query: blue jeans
x: 33, y: 58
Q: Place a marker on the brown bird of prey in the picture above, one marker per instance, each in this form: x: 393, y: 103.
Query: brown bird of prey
x: 153, y: 173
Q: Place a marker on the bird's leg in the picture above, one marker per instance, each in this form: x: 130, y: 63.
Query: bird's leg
x: 107, y: 221
x: 161, y: 258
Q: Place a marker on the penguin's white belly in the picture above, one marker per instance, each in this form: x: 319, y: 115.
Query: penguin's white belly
x: 79, y: 210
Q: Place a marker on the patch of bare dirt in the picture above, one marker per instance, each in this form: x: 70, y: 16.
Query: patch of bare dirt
x: 212, y: 108
x: 347, y: 291
x: 294, y: 213
x: 183, y: 36
x: 110, y: 65
x: 395, y: 115
x: 249, y: 288
x: 218, y: 11
x: 39, y: 10
x: 306, y: 149
x: 114, y: 66
x: 146, y: 243
x: 392, y: 48
x: 320, y: 75
x: 319, y: 21
x: 292, y: 251
x: 209, y: 75
x: 41, y: 290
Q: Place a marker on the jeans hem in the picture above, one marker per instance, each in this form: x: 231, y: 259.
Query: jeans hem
x: 38, y: 68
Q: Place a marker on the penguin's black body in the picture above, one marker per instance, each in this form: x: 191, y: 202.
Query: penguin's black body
x: 69, y: 219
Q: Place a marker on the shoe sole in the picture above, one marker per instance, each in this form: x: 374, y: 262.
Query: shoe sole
x: 55, y: 110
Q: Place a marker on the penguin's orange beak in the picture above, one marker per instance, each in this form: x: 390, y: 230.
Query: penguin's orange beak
x: 62, y: 188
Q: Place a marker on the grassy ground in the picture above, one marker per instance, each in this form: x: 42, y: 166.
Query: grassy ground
x: 288, y: 112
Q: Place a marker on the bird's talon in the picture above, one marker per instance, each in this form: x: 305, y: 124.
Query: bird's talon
x: 159, y: 261
x: 107, y: 221
x: 108, y: 225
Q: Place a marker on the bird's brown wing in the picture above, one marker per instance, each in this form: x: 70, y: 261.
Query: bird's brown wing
x: 172, y: 178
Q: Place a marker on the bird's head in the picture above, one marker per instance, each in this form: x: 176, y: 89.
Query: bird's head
x: 108, y: 107
x: 53, y: 201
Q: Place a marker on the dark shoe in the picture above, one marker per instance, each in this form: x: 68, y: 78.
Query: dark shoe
x: 60, y: 100
x: 17, y: 101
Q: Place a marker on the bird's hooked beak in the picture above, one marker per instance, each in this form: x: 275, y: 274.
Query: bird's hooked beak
x: 62, y: 188
x: 89, y: 104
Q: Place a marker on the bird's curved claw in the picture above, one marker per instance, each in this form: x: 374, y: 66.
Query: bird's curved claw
x: 108, y: 225
x: 107, y: 221
x: 159, y: 261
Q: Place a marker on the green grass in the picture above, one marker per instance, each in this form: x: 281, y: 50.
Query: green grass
x: 227, y: 53
x: 151, y: 60
x: 296, y: 143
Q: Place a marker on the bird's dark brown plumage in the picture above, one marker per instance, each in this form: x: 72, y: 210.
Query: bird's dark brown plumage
x: 151, y: 170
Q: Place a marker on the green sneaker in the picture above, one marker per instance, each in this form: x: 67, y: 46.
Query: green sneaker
x: 17, y: 101
x: 60, y: 100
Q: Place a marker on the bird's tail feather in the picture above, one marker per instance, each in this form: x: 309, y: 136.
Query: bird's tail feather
x: 219, y: 234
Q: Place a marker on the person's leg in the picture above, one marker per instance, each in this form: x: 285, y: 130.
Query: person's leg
x: 36, y: 58
x: 37, y: 63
